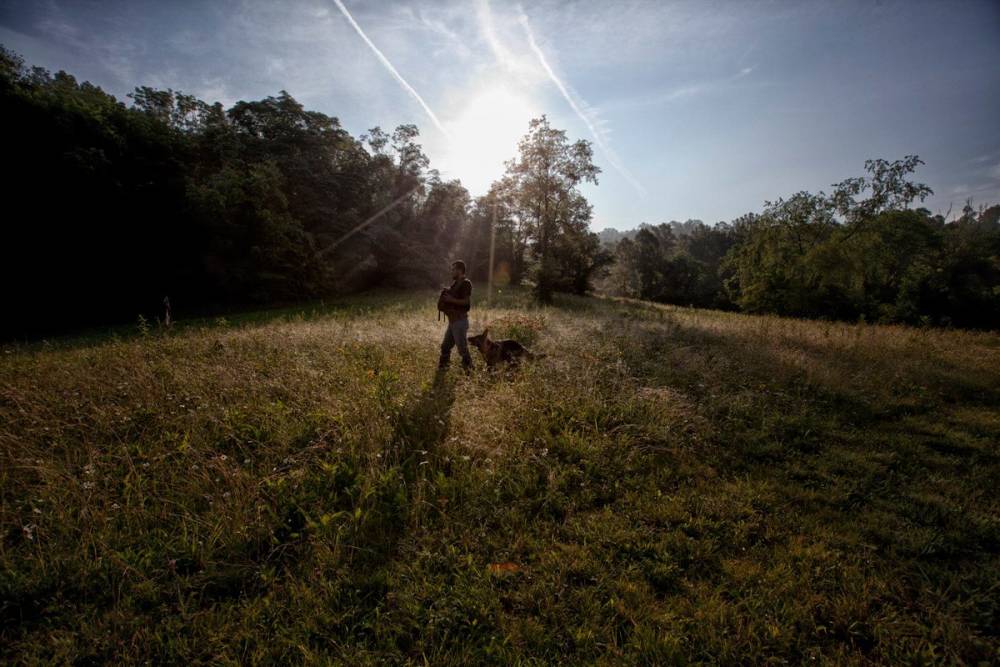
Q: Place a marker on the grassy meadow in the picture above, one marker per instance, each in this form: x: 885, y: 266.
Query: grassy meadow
x: 667, y: 486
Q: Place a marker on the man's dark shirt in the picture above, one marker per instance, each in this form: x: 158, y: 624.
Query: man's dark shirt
x: 459, y: 289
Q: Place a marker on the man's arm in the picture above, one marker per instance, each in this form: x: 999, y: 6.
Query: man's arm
x: 452, y: 301
x: 460, y: 301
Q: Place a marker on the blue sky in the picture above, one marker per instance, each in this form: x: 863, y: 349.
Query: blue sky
x: 696, y: 109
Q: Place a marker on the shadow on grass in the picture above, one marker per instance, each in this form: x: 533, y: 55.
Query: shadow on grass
x: 222, y: 317
x: 394, y: 511
x: 397, y: 502
x: 424, y: 426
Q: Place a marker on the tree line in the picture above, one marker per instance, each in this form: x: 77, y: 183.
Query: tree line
x: 860, y: 253
x: 112, y: 206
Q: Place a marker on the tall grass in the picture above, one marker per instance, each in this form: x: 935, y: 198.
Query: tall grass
x: 665, y: 486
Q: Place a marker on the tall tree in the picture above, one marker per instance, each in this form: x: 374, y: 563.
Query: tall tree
x: 541, y: 187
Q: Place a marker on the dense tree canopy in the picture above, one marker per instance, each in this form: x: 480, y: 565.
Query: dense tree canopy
x: 114, y: 206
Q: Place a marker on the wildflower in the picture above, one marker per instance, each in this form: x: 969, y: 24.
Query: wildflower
x: 29, y: 531
x: 115, y: 506
x: 35, y: 510
x: 223, y: 457
x: 88, y: 469
x: 88, y: 485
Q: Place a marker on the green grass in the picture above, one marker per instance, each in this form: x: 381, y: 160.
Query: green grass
x: 667, y: 486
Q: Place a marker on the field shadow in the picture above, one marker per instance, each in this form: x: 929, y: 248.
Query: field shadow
x: 221, y: 318
x: 410, y: 452
x: 780, y: 401
x: 874, y: 383
x: 424, y: 426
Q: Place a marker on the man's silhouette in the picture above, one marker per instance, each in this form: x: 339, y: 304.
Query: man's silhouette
x: 455, y: 302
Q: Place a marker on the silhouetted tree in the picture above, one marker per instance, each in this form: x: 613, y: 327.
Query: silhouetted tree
x: 541, y: 191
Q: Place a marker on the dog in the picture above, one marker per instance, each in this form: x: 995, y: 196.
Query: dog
x: 495, y: 351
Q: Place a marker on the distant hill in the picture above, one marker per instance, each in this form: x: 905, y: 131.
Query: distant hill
x: 610, y: 236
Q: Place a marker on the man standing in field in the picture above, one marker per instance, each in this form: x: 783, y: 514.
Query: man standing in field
x: 455, y: 302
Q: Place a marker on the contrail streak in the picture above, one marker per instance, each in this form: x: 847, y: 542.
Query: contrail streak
x: 598, y: 136
x: 485, y: 17
x: 388, y: 65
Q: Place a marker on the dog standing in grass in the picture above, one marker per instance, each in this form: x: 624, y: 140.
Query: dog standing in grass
x: 455, y: 302
x: 496, y: 351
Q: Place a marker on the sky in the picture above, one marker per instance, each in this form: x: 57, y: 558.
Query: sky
x: 695, y: 109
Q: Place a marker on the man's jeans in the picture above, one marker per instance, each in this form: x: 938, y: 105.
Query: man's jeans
x: 456, y: 334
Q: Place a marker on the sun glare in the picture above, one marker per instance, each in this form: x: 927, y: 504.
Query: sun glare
x: 484, y: 134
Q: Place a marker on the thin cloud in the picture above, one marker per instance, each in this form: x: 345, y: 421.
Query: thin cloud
x: 485, y: 16
x: 441, y: 28
x: 388, y: 65
x: 689, y: 91
x: 586, y: 115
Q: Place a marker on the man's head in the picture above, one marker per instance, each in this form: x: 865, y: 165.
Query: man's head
x: 457, y: 269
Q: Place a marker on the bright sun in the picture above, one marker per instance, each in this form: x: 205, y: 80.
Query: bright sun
x: 484, y: 135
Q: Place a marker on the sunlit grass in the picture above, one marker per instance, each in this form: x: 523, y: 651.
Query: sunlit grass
x: 667, y: 485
